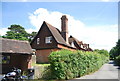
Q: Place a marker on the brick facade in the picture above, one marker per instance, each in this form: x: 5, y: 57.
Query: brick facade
x: 42, y: 55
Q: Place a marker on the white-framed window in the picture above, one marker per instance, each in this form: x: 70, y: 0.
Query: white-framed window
x: 48, y: 39
x: 38, y: 40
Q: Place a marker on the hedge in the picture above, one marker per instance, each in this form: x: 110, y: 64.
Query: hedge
x: 68, y: 64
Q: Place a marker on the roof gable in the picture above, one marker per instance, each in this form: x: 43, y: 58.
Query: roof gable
x: 77, y: 43
x: 55, y: 33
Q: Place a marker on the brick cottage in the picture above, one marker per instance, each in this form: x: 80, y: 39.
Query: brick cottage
x: 49, y: 39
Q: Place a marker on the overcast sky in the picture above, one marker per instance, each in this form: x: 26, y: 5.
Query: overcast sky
x: 95, y: 23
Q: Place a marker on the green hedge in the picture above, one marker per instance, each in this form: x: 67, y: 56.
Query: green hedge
x: 67, y: 64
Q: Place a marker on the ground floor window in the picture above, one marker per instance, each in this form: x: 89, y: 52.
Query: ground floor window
x: 5, y: 59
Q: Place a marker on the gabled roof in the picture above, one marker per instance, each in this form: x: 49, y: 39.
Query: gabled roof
x: 15, y: 46
x: 58, y: 37
x: 76, y: 40
x: 84, y: 47
x: 79, y: 43
x: 56, y: 34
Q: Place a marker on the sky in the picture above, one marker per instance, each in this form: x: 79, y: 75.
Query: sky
x: 95, y: 23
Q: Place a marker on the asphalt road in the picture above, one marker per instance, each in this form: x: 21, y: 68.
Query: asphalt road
x: 107, y: 71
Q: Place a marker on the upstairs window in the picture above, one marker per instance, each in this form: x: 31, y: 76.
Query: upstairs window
x: 48, y: 39
x: 38, y: 40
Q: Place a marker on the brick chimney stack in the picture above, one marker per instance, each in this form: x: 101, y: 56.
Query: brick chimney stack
x: 64, y: 28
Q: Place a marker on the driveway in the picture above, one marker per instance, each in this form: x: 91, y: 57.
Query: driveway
x: 107, y: 71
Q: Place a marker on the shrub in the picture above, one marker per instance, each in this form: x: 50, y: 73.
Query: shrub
x: 68, y: 64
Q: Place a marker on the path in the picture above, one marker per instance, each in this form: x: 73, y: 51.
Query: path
x: 107, y: 71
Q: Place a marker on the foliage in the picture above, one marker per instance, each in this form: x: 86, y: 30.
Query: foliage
x: 102, y: 51
x: 32, y: 35
x: 115, y: 51
x: 68, y: 64
x: 117, y: 60
x: 18, y: 32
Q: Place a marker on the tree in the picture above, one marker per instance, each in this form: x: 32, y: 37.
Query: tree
x: 32, y: 35
x: 118, y: 47
x: 115, y: 51
x: 102, y: 51
x: 18, y: 32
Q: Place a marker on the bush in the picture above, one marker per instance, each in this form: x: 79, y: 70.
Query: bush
x: 67, y: 64
x: 117, y: 60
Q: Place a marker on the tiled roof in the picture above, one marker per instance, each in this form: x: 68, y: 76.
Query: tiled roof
x: 15, y: 46
x: 79, y: 44
x: 59, y: 39
x: 56, y: 33
x: 73, y: 39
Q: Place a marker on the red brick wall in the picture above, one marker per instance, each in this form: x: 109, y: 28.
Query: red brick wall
x: 42, y: 55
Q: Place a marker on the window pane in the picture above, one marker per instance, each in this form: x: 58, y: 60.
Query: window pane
x: 5, y: 59
x: 38, y: 40
x: 48, y: 39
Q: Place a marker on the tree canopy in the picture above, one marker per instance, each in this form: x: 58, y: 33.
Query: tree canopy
x: 102, y: 51
x: 18, y: 32
x: 115, y: 51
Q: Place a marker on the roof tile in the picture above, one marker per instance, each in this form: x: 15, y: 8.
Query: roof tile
x: 15, y: 46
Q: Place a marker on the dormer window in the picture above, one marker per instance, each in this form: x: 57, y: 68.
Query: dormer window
x: 48, y: 40
x: 38, y: 40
